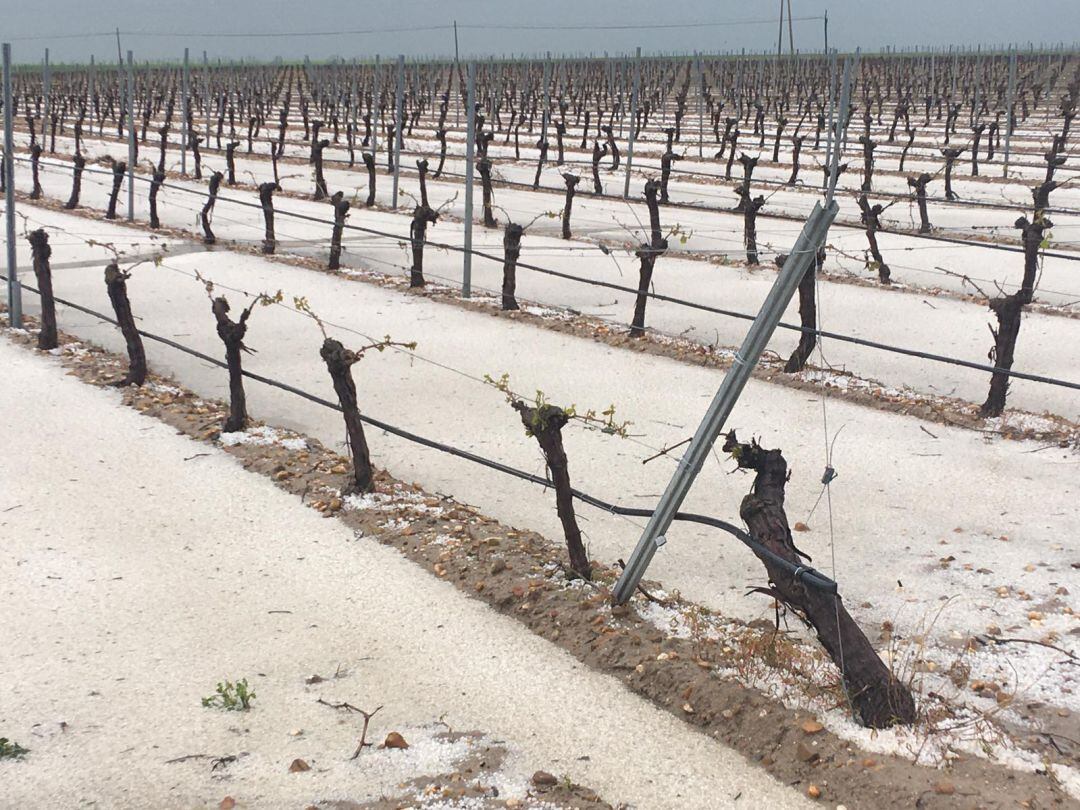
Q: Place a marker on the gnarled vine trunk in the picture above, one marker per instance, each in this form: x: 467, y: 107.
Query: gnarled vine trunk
x: 879, y: 699
x: 39, y: 247
x: 116, y: 285
x: 208, y: 209
x: 511, y: 251
x: 545, y: 424
x: 339, y: 362
x: 232, y: 335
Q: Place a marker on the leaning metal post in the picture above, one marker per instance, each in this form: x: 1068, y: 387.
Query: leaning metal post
x: 757, y: 338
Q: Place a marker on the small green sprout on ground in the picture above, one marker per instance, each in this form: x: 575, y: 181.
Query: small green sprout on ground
x: 231, y: 697
x: 9, y: 749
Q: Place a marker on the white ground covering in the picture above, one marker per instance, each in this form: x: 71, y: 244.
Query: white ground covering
x: 135, y: 580
x: 913, y: 260
x: 900, y: 497
x: 1048, y: 345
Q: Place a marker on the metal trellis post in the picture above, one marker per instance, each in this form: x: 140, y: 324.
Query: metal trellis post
x: 206, y: 95
x: 185, y: 105
x: 1009, y: 103
x: 399, y: 113
x: 700, y: 108
x: 470, y: 160
x: 45, y: 86
x: 14, y: 290
x: 376, y: 92
x: 131, y: 137
x: 633, y: 121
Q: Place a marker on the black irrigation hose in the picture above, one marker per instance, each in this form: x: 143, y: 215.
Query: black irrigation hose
x: 802, y: 573
x: 778, y: 215
x: 779, y: 184
x: 821, y: 333
x: 689, y: 206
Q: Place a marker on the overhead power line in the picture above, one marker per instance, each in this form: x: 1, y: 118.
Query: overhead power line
x: 630, y: 26
x: 407, y: 29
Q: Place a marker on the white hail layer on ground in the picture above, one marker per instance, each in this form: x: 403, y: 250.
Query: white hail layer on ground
x: 134, y: 581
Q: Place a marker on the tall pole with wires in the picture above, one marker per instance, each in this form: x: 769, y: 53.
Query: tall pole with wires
x: 790, y: 31
x: 780, y: 33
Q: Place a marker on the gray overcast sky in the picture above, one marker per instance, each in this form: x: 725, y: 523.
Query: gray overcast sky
x: 866, y: 23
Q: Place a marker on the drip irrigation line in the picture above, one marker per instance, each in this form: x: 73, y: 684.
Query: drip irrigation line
x: 820, y: 333
x: 802, y: 573
x: 776, y: 215
x: 412, y: 354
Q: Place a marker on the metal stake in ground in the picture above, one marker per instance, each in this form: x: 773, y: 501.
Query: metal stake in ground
x: 470, y: 160
x: 399, y: 113
x: 184, y: 112
x: 700, y: 106
x: 1009, y: 103
x: 131, y: 138
x: 14, y: 290
x: 802, y: 255
x: 376, y: 102
x: 633, y: 121
x: 45, y: 77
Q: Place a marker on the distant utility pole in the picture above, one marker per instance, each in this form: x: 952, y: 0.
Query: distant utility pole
x: 779, y: 33
x: 826, y: 30
x: 790, y: 33
x: 456, y: 58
